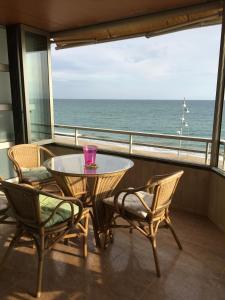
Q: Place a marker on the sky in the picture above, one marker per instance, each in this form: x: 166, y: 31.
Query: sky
x: 171, y: 66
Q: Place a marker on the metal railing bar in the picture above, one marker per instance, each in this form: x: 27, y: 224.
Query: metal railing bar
x: 144, y: 144
x: 195, y: 150
x: 76, y: 137
x: 206, y: 152
x: 136, y: 133
x: 65, y: 134
x: 223, y: 156
x: 171, y: 147
x: 130, y: 143
x: 222, y: 142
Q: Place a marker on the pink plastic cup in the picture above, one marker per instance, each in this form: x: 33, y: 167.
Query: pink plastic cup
x: 89, y: 154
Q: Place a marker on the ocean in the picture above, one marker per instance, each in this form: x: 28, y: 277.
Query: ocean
x: 154, y: 116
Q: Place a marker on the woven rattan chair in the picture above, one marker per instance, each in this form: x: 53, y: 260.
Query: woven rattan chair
x: 145, y: 209
x: 27, y: 160
x: 46, y: 219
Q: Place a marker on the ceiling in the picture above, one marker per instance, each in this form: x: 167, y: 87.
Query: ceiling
x: 59, y: 17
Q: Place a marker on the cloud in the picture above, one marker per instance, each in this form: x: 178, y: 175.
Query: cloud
x: 160, y: 67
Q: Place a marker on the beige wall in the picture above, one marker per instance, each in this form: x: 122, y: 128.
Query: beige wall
x: 216, y: 210
x: 193, y: 189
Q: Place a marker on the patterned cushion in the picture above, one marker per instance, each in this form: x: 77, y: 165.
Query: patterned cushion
x: 35, y: 174
x: 132, y: 204
x: 48, y: 204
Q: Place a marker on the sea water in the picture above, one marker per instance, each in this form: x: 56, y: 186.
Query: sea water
x: 153, y: 116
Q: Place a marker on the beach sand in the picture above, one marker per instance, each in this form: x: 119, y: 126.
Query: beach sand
x: 139, y: 150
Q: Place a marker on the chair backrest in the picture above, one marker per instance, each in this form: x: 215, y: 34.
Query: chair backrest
x: 28, y: 155
x: 164, y: 191
x: 24, y: 201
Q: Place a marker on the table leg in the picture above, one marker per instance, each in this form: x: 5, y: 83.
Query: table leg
x: 95, y: 227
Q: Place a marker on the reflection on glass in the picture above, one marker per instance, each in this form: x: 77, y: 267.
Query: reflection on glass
x: 74, y: 164
x: 90, y: 171
x: 5, y: 91
x: 6, y: 165
x: 6, y: 126
x: 38, y: 86
x: 3, y: 47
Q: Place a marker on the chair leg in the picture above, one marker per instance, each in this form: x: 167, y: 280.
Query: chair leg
x: 154, y: 249
x: 108, y: 237
x: 85, y: 235
x: 40, y: 267
x: 109, y: 221
x: 12, y: 244
x: 97, y: 239
x: 168, y: 223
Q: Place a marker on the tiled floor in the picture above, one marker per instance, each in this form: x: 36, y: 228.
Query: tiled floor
x: 126, y: 269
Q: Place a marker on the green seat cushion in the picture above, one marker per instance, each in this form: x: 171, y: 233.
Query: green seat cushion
x: 48, y: 204
x: 35, y: 174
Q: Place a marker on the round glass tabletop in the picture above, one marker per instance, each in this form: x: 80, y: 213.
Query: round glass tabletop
x: 73, y: 164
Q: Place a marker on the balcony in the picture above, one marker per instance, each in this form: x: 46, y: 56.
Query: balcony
x: 125, y: 270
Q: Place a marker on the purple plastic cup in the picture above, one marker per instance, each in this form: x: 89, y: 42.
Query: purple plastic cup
x: 89, y: 154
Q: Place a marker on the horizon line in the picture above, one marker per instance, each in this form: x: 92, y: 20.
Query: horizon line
x: 116, y: 99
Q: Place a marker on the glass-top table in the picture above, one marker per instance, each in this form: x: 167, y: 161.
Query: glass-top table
x: 73, y: 164
x: 75, y: 179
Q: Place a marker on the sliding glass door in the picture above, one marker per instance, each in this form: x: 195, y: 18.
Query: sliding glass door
x: 6, y: 115
x: 36, y: 62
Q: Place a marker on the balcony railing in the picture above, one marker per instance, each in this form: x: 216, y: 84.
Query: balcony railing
x: 80, y: 134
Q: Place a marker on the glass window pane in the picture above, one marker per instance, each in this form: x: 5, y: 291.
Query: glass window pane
x: 38, y: 86
x: 6, y: 168
x: 3, y: 46
x: 6, y: 125
x: 221, y: 158
x: 5, y: 91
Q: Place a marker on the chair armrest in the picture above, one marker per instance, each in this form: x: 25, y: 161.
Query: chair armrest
x: 73, y: 199
x: 69, y: 201
x: 26, y: 185
x: 130, y: 191
x: 47, y: 151
x: 65, y: 199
